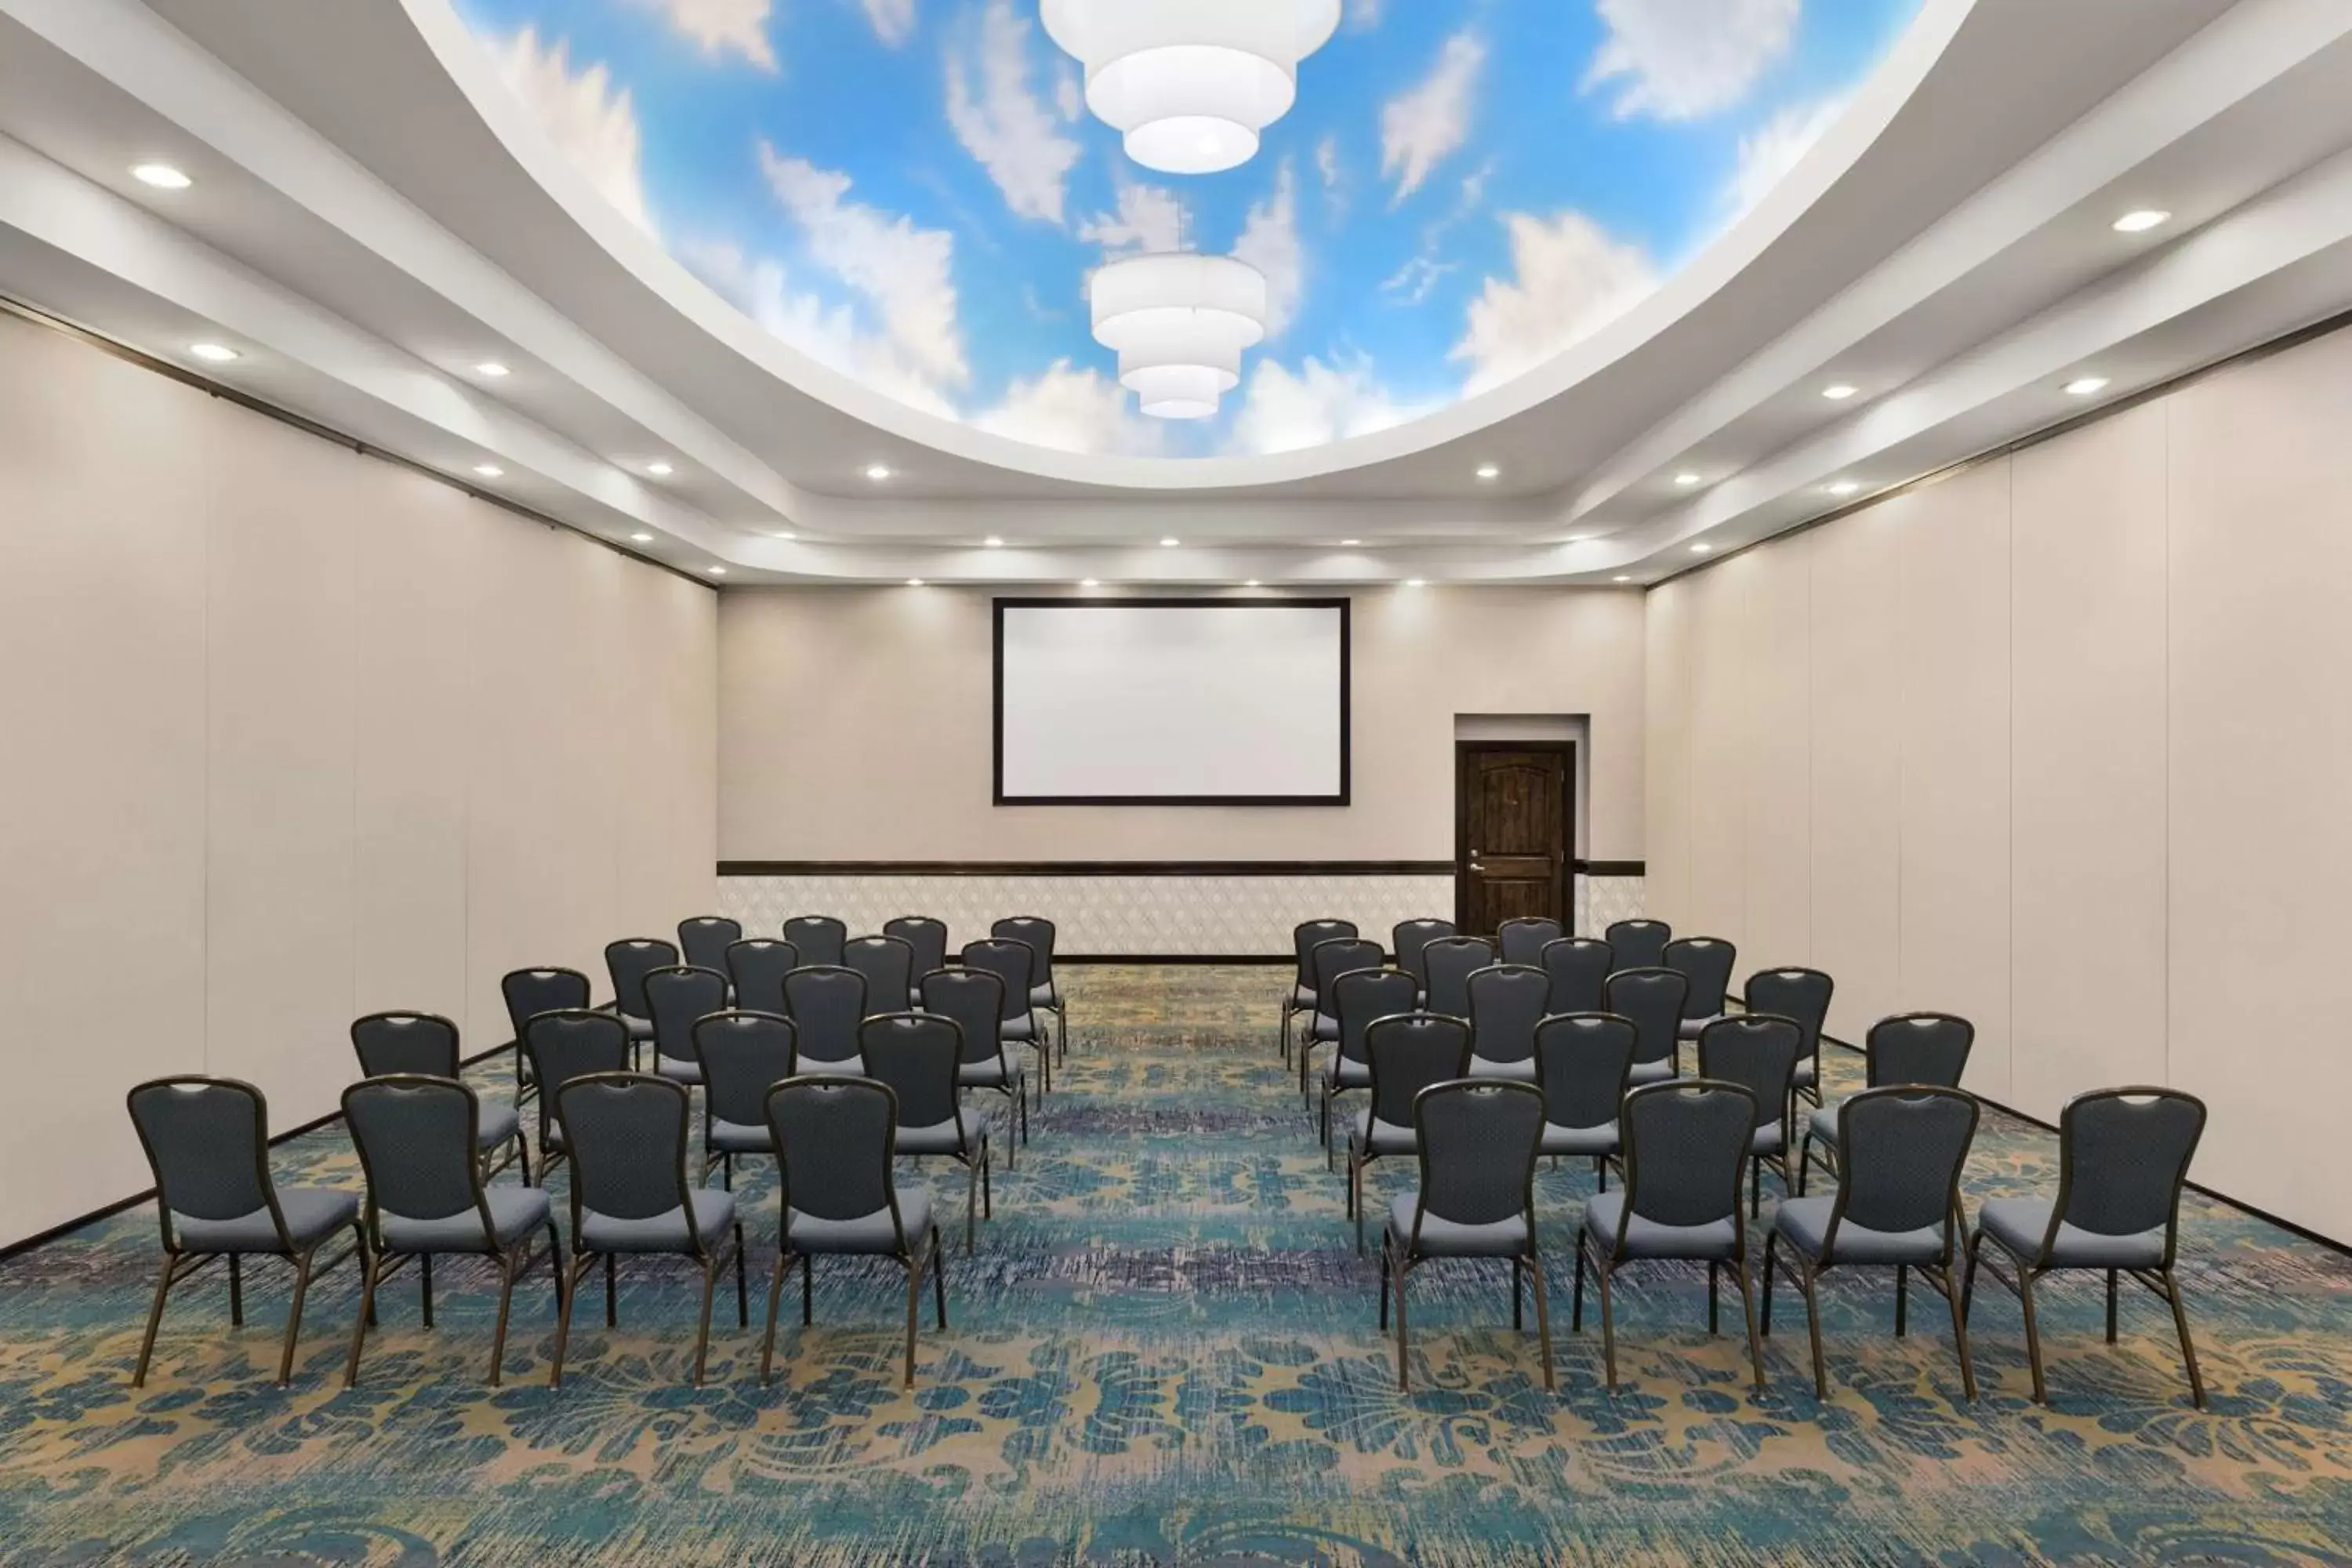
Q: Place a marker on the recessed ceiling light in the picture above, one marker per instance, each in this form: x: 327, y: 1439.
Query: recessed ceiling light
x: 1416, y: 582
x: 489, y: 471
x: 1838, y: 391
x: 163, y: 177
x: 1686, y: 480
x: 215, y: 352
x: 1844, y: 488
x: 781, y: 534
x: 716, y: 571
x: 877, y: 472
x: 1490, y: 471
x: 1169, y: 543
x: 641, y: 538
x: 1701, y: 549
x: 492, y: 369
x: 1350, y: 543
x: 1253, y: 583
x: 660, y: 470
x: 994, y: 543
x: 2141, y: 220
x: 1621, y: 579
x: 914, y: 581
x: 2083, y: 385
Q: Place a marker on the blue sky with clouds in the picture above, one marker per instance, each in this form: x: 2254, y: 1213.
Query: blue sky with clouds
x: 911, y: 191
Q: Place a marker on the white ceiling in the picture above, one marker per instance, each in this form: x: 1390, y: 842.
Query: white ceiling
x: 370, y: 220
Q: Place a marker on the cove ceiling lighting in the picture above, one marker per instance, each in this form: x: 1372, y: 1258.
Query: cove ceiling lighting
x: 1179, y: 324
x: 1191, y: 83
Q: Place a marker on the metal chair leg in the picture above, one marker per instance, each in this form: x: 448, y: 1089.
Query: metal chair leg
x: 425, y: 1284
x: 1748, y: 1311
x: 1902, y: 1299
x: 1576, y: 1299
x: 154, y: 1322
x: 1961, y: 1336
x: 1518, y: 1309
x: 742, y: 1287
x: 507, y: 1272
x: 1714, y: 1300
x: 2111, y: 1306
x: 1397, y: 1272
x: 2187, y: 1350
x: 611, y: 1308
x: 711, y: 1267
x: 566, y: 1299
x: 370, y: 1264
x: 938, y: 1280
x: 775, y: 1297
x: 1770, y: 1243
x: 914, y: 1301
x: 235, y: 1291
x: 1384, y: 1286
x: 294, y: 1316
x: 1805, y: 1277
x: 1543, y: 1320
x: 1608, y: 1324
x: 808, y: 1290
x: 2033, y: 1335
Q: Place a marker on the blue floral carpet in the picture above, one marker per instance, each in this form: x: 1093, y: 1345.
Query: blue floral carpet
x: 1165, y: 1352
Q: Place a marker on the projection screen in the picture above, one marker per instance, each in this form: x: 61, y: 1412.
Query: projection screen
x: 1171, y: 701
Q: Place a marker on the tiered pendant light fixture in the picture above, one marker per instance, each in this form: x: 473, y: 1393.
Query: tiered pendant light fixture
x: 1179, y: 323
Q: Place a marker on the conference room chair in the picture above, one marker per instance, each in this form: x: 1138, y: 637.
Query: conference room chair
x: 568, y: 1042
x: 1578, y: 967
x: 1304, y: 937
x: 826, y: 1003
x: 840, y: 1197
x: 1507, y: 1002
x: 1802, y: 996
x: 1653, y: 998
x: 1334, y: 957
x: 741, y: 1053
x: 1923, y: 1048
x: 1686, y: 1159
x: 1015, y: 963
x: 1044, y: 994
x: 2123, y: 1160
x: 1450, y: 961
x: 426, y: 1044
x: 704, y: 939
x: 1581, y: 1063
x: 1759, y: 1053
x: 630, y: 1197
x: 1639, y: 944
x: 1898, y: 1205
x: 1360, y: 996
x: 927, y: 949
x: 417, y: 1134
x: 1476, y: 1198
x: 628, y: 962
x: 919, y: 1056
x: 529, y: 993
x: 974, y: 1000
x: 208, y: 1143
x: 889, y: 964
x: 756, y: 967
x: 677, y: 998
x: 1407, y: 939
x: 1522, y: 940
x: 1408, y: 1052
x: 1704, y: 961
x: 819, y: 939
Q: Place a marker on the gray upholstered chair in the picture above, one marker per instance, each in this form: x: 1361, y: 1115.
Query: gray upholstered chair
x: 1896, y: 1206
x: 1686, y: 1154
x: 1757, y: 1052
x: 927, y: 949
x: 1333, y: 957
x: 840, y: 1197
x: 1360, y: 996
x: 1522, y: 940
x: 742, y: 1053
x: 826, y: 1004
x: 1408, y: 1052
x: 1408, y: 937
x: 889, y: 964
x: 417, y: 1136
x: 1653, y: 998
x: 705, y: 939
x: 917, y: 1055
x: 756, y: 967
x: 568, y: 1042
x: 628, y: 962
x: 207, y: 1142
x: 630, y: 1195
x: 1581, y: 1063
x: 1639, y: 944
x: 1705, y: 962
x: 2123, y: 1160
x: 818, y: 938
x: 974, y: 1000
x: 1578, y: 967
x: 1045, y: 993
x: 1451, y: 961
x: 1477, y: 1197
x: 1507, y: 1002
x: 529, y: 993
x: 677, y: 998
x: 1015, y: 963
x: 1930, y: 1049
x: 1301, y: 998
x: 1802, y: 996
x: 426, y: 1044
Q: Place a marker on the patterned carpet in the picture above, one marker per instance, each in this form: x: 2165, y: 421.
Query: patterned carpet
x: 1165, y: 1351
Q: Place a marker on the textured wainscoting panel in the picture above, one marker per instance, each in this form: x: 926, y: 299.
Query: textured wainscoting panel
x: 1600, y: 901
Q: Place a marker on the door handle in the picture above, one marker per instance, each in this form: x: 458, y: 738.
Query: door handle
x: 1477, y: 867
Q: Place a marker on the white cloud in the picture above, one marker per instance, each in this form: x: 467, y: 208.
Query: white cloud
x: 1269, y: 242
x: 905, y: 274
x: 760, y: 289
x: 1013, y: 134
x: 1412, y: 283
x: 1286, y: 410
x: 894, y: 20
x: 1326, y: 162
x: 1419, y: 129
x: 1069, y: 91
x: 1150, y: 218
x: 1073, y: 410
x: 1774, y: 148
x: 719, y: 26
x: 1363, y: 13
x: 1683, y: 59
x: 1570, y: 279
x: 593, y: 124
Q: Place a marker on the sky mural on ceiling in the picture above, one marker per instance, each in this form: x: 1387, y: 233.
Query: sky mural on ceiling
x: 913, y: 192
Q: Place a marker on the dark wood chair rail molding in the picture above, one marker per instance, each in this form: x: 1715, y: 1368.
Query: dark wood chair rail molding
x: 1127, y: 868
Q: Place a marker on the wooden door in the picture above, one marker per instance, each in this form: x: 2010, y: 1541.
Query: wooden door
x: 1512, y: 811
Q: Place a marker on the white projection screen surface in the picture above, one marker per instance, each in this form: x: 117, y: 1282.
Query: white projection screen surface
x: 1172, y: 702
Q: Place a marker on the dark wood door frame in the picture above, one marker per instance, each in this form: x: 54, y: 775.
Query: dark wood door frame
x: 1570, y: 865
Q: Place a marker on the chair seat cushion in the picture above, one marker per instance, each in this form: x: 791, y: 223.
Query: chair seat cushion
x: 1769, y: 1139
x: 714, y: 1211
x: 1004, y: 1072
x: 805, y: 1065
x: 740, y: 1137
x: 310, y: 1214
x: 867, y: 1233
x: 1302, y: 998
x: 639, y: 1028
x: 1557, y: 1140
x: 1804, y: 1220
x: 1045, y: 995
x: 1520, y: 1071
x: 939, y: 1138
x: 1649, y: 1072
x: 1347, y: 1072
x: 678, y: 1071
x: 1325, y: 1027
x: 1021, y: 1030
x: 1605, y: 1216
x: 1384, y: 1137
x: 496, y: 1125
x: 1823, y: 1124
x: 1807, y: 1072
x: 1451, y: 1238
x: 2020, y: 1223
x: 1689, y: 1027
x: 515, y: 1213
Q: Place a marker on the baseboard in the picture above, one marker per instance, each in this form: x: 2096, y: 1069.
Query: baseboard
x: 1176, y: 958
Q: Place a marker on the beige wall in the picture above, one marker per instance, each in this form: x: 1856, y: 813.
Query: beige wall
x: 854, y: 724
x: 2059, y: 743
x: 294, y: 735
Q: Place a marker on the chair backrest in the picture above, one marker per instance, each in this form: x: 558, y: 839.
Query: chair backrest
x: 1449, y: 962
x: 531, y: 992
x: 1408, y: 937
x: 974, y: 999
x: 1013, y: 962
x: 758, y: 965
x: 1899, y: 1156
x: 2123, y: 1158
x: 1917, y: 1048
x: 415, y: 1136
x: 916, y: 1054
x: 889, y: 964
x: 1409, y: 1051
x: 1653, y: 998
x: 1340, y: 955
x: 818, y: 937
x: 1507, y: 1002
x: 1581, y: 1060
x: 826, y: 1004
x: 571, y: 1042
x: 1522, y: 940
x: 1756, y: 1052
x: 1039, y: 933
x: 1307, y: 934
x: 208, y: 1140
x: 1363, y: 994
x: 705, y: 939
x: 927, y: 943
x: 1477, y: 1140
x: 677, y: 998
x: 1801, y: 995
x: 1578, y: 967
x: 741, y: 1053
x: 628, y: 962
x: 1639, y: 944
x: 627, y: 1136
x: 419, y: 1043
x: 835, y: 1139
x: 1705, y: 962
x: 1686, y: 1149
